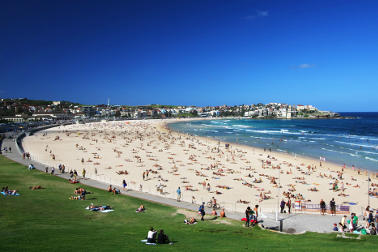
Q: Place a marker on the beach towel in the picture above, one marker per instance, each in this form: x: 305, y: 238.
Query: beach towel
x: 6, y: 194
x: 148, y: 243
x: 350, y: 203
x: 106, y: 211
x: 97, y: 209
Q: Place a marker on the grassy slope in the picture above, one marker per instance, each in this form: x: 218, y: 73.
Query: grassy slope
x: 46, y: 220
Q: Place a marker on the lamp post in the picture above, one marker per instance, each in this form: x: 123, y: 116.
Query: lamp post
x: 278, y: 193
x: 368, y: 188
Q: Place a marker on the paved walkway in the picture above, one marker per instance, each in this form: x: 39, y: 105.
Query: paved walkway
x: 294, y: 223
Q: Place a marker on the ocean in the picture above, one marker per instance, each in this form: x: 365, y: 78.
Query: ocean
x: 353, y: 142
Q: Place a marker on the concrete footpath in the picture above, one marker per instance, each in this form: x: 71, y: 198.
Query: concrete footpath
x: 293, y: 223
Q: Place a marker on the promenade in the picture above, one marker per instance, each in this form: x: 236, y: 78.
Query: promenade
x: 293, y: 223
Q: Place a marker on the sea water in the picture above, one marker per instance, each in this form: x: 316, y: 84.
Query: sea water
x: 353, y: 142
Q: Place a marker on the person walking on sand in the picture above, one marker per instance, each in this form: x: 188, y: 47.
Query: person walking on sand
x: 124, y: 184
x: 282, y: 205
x: 288, y: 203
x: 256, y: 210
x: 332, y: 205
x: 178, y: 194
x: 201, y: 210
x: 322, y: 206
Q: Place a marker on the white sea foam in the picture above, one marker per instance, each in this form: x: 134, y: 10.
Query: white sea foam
x: 368, y: 152
x: 241, y: 126
x: 356, y: 144
x: 371, y: 159
x: 341, y: 152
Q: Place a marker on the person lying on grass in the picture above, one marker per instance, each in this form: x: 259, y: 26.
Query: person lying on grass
x: 99, y: 208
x: 35, y: 187
x: 140, y: 209
x: 190, y: 221
x: 5, y: 190
x: 80, y: 197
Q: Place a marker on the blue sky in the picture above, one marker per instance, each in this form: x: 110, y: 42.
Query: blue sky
x: 323, y: 53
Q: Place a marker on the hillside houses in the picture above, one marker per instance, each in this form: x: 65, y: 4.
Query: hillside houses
x: 22, y: 109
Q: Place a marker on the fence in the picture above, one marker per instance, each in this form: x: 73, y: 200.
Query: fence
x: 298, y: 206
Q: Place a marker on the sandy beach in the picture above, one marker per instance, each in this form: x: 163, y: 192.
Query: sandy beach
x: 156, y: 160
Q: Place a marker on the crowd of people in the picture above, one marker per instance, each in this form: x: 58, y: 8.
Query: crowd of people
x: 353, y: 225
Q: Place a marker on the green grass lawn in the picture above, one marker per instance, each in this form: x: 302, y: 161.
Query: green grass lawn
x: 46, y: 220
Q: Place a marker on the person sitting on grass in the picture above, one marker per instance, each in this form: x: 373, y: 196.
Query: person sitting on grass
x: 110, y: 189
x: 140, y: 209
x: 151, y: 236
x: 373, y: 229
x: 162, y: 238
x: 335, y: 227
x: 116, y: 191
x: 222, y: 213
x: 214, y: 212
